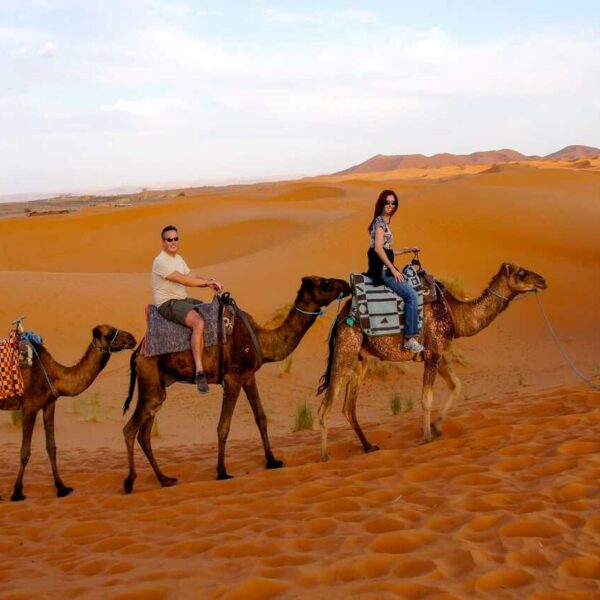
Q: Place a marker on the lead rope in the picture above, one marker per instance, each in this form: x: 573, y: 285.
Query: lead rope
x: 561, y: 347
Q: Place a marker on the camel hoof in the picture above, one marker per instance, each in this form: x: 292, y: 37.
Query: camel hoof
x: 224, y: 475
x: 371, y: 448
x: 168, y: 481
x: 325, y: 458
x: 274, y: 464
x: 436, y: 430
x: 63, y: 491
x: 128, y: 486
x: 17, y: 497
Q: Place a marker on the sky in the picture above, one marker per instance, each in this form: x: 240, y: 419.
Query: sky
x: 97, y: 95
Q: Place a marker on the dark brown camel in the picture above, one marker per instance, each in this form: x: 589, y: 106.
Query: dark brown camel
x: 240, y: 365
x: 66, y: 381
x: 444, y: 320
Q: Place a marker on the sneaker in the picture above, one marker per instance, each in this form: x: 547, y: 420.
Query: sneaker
x: 413, y: 346
x: 201, y: 382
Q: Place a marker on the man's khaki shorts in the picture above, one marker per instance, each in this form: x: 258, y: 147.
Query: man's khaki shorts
x: 177, y: 310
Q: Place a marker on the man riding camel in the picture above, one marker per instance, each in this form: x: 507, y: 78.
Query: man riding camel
x: 170, y: 277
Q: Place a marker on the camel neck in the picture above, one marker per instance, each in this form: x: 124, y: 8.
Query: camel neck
x: 73, y: 380
x: 278, y: 343
x: 471, y: 316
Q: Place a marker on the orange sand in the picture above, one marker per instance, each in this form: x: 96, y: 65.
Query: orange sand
x: 504, y: 505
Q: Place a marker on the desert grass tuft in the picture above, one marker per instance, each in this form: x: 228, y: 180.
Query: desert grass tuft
x: 16, y: 417
x: 521, y: 379
x: 456, y: 286
x: 402, y: 402
x: 286, y: 366
x: 278, y: 316
x: 304, y: 416
x: 88, y: 408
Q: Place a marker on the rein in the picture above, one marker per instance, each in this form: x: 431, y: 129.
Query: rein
x: 109, y: 349
x: 320, y: 313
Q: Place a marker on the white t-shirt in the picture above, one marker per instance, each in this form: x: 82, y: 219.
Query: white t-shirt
x: 163, y: 289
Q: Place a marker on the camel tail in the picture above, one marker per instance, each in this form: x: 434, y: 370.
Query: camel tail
x: 325, y: 379
x: 132, y: 379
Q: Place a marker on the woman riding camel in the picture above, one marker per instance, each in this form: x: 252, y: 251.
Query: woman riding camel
x: 382, y: 270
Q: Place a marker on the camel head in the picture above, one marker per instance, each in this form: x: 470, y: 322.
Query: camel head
x: 322, y: 291
x: 111, y: 339
x: 520, y: 280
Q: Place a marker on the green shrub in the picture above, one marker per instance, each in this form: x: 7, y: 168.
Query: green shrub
x: 16, y: 417
x: 304, y: 416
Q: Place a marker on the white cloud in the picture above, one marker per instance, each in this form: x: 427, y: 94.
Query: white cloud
x: 146, y: 107
x: 355, y: 14
x: 48, y: 49
x: 281, y: 16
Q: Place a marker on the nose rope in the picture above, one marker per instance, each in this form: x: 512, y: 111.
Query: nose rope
x: 567, y: 358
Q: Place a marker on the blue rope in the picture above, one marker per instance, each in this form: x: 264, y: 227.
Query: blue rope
x: 33, y: 339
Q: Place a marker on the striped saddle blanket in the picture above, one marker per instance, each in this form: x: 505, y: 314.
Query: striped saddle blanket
x: 379, y: 310
x: 11, y: 379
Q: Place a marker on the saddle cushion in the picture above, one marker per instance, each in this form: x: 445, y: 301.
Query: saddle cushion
x: 164, y: 336
x: 11, y: 379
x: 379, y: 310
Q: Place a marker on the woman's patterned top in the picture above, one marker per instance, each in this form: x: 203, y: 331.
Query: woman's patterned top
x: 387, y: 233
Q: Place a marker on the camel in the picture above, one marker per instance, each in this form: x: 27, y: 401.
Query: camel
x: 444, y: 320
x: 240, y: 361
x: 66, y: 381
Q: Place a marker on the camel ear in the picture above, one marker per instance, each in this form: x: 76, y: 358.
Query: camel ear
x: 308, y: 282
x: 507, y: 268
x: 97, y: 333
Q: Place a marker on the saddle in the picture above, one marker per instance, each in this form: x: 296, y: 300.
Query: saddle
x: 380, y: 311
x: 164, y: 336
x: 11, y: 378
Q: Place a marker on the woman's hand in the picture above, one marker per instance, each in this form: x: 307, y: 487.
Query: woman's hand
x: 397, y: 275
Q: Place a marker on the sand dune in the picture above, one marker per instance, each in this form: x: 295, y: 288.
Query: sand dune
x: 505, y: 505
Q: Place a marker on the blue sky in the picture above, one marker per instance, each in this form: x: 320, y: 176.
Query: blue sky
x: 143, y: 92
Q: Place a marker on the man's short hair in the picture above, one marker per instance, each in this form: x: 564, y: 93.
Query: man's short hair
x: 167, y: 228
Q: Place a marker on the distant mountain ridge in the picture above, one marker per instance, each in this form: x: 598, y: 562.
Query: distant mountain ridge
x: 382, y: 162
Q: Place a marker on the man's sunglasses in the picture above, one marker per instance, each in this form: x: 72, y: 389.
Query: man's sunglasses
x: 175, y: 239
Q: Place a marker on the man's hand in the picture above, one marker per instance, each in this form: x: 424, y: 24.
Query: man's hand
x: 217, y: 286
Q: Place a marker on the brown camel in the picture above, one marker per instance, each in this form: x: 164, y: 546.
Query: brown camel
x: 66, y: 381
x: 444, y: 320
x: 240, y: 365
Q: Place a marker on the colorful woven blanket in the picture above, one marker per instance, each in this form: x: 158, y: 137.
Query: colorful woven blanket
x: 379, y: 310
x: 164, y: 336
x: 11, y: 379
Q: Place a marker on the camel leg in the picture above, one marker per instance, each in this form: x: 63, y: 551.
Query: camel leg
x: 150, y: 398
x: 28, y: 425
x: 350, y: 405
x: 231, y: 391
x: 144, y: 438
x: 339, y: 381
x: 61, y: 489
x: 454, y: 384
x: 253, y: 396
x: 431, y: 366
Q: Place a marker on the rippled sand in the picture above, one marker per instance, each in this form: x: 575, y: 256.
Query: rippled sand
x: 505, y: 505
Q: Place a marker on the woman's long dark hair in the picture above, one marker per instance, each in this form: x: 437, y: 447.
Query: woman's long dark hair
x: 380, y: 205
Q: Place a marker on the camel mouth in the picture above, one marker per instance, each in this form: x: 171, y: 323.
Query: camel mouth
x: 541, y: 284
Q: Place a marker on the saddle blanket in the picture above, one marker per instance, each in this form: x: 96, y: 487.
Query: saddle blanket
x: 379, y: 310
x: 164, y: 336
x: 11, y: 379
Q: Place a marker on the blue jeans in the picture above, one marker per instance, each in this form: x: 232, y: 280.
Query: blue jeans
x: 408, y: 294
